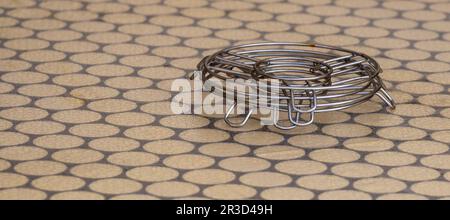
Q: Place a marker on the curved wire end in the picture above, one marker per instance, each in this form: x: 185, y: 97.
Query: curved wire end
x: 276, y: 121
x: 384, y: 95
x: 236, y: 124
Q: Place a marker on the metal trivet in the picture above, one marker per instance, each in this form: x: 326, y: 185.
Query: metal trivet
x: 312, y: 78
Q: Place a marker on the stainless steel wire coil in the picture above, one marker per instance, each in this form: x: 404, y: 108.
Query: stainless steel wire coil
x: 312, y: 78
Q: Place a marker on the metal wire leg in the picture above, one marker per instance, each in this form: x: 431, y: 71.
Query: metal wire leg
x: 313, y: 104
x: 384, y: 95
x: 276, y: 121
x: 296, y: 121
x: 238, y: 124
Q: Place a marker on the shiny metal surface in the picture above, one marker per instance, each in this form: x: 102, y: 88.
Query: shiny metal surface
x: 312, y: 78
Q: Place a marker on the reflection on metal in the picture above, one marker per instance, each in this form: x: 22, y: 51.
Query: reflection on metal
x: 312, y: 78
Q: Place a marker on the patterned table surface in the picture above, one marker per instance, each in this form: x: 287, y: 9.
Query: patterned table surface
x: 85, y: 92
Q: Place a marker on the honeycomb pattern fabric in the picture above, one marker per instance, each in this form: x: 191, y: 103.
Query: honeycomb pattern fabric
x: 85, y: 93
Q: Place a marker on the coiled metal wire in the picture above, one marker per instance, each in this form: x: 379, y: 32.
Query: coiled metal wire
x: 312, y: 78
